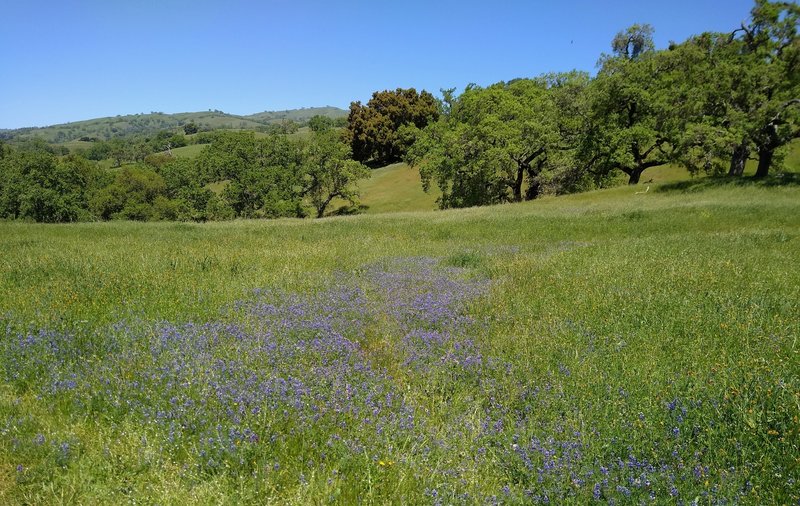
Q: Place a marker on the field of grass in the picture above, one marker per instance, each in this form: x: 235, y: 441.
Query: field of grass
x: 598, y: 347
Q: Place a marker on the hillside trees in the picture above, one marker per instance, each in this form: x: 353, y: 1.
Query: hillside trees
x: 132, y: 195
x: 746, y: 89
x: 374, y: 130
x: 770, y: 55
x: 494, y: 144
x: 263, y: 174
x: 632, y: 125
x: 37, y: 185
x: 329, y: 172
x: 278, y: 177
x: 319, y: 123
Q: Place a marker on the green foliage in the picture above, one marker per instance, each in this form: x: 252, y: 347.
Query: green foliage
x: 372, y: 129
x: 264, y: 175
x: 320, y: 123
x: 190, y: 128
x: 632, y: 123
x: 37, y: 185
x: 633, y: 42
x: 495, y: 144
x: 131, y: 196
x: 329, y: 172
x: 744, y: 87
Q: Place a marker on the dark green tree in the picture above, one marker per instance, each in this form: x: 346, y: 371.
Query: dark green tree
x: 37, y: 185
x: 372, y: 129
x: 185, y: 189
x: 131, y: 195
x: 770, y: 55
x: 745, y: 88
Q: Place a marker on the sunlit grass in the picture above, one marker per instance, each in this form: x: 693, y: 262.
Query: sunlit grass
x: 394, y: 188
x: 655, y: 329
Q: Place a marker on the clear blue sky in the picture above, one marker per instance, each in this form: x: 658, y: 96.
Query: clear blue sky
x: 72, y: 60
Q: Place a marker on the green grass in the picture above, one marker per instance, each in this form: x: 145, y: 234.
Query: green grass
x: 395, y: 188
x: 603, y: 310
x: 191, y: 151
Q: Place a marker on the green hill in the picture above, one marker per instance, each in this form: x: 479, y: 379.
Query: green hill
x: 298, y: 115
x: 133, y: 124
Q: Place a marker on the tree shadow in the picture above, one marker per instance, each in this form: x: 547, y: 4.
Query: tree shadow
x: 348, y: 210
x: 700, y: 184
x: 378, y: 164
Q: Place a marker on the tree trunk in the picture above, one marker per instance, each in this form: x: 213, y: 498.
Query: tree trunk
x: 323, y: 206
x: 534, y: 185
x: 516, y: 186
x: 634, y: 175
x: 764, y: 162
x: 533, y: 190
x: 738, y: 160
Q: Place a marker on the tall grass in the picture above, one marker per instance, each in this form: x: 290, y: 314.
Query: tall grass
x: 600, y: 347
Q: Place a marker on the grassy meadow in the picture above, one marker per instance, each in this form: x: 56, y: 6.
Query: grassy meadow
x: 595, y: 348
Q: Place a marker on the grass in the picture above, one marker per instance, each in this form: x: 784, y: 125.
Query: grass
x: 395, y: 188
x: 595, y: 347
x: 191, y: 151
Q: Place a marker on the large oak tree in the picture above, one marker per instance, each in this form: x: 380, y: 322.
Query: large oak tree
x: 375, y: 131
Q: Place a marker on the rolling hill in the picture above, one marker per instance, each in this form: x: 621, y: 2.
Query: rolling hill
x: 132, y: 124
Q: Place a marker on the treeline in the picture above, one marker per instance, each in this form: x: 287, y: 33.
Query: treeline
x: 708, y: 104
x: 236, y: 175
x: 144, y: 125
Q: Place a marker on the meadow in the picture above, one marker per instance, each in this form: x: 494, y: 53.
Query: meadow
x: 604, y: 347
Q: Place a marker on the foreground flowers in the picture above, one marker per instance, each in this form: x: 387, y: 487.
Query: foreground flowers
x: 383, y: 371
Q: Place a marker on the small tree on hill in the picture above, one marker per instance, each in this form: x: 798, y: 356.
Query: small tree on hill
x: 329, y: 171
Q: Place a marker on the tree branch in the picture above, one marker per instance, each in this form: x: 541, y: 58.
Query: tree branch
x: 782, y: 108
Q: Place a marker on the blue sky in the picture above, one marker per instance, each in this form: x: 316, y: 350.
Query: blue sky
x: 73, y: 60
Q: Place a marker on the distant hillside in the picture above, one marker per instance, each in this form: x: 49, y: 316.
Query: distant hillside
x: 298, y: 115
x: 133, y: 124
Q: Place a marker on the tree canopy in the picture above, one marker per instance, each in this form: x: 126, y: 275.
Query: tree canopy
x: 375, y: 131
x: 492, y: 145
